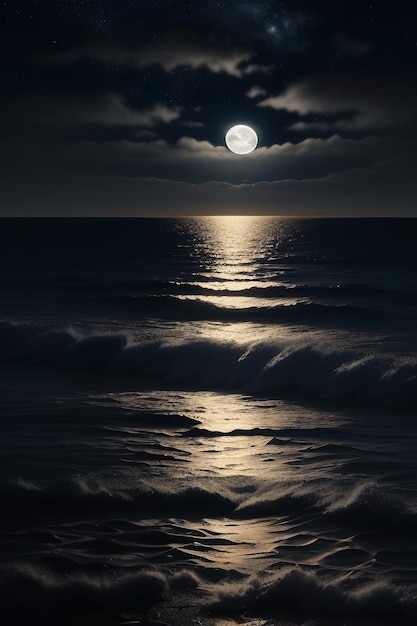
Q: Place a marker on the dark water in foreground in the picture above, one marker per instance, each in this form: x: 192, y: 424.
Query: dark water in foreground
x: 208, y: 421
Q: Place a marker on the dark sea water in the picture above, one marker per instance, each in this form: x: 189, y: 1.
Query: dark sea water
x: 208, y: 421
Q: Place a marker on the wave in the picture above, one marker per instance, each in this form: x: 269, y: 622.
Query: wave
x: 295, y: 591
x: 46, y: 592
x: 310, y: 570
x: 304, y: 367
x: 207, y: 284
x: 304, y: 591
x: 202, y: 285
x: 363, y: 505
x: 195, y: 308
x: 95, y: 496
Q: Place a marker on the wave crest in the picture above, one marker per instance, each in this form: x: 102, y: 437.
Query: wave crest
x: 304, y: 367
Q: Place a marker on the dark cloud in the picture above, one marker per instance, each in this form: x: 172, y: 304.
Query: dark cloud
x: 105, y: 110
x: 384, y: 190
x: 323, y: 177
x: 357, y: 103
x: 175, y: 49
x: 137, y: 99
x: 193, y: 160
x: 192, y: 124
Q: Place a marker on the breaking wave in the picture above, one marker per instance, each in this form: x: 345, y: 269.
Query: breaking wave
x: 295, y: 589
x: 320, y: 371
x: 288, y: 591
x: 361, y: 505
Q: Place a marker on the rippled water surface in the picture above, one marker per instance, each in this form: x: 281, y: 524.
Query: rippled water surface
x: 209, y: 421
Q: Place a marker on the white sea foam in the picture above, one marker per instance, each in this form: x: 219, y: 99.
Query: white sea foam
x: 290, y: 590
x: 301, y: 591
x: 174, y: 458
x: 314, y: 368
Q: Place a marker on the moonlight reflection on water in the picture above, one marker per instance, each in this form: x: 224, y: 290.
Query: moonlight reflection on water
x: 217, y: 421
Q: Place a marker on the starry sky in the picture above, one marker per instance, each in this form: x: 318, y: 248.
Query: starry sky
x: 120, y: 108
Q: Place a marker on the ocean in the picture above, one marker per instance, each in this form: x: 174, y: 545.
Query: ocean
x: 208, y: 421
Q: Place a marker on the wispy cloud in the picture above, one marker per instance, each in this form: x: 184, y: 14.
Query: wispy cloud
x: 355, y: 103
x: 193, y: 160
x: 105, y: 110
x: 256, y: 92
x: 192, y: 124
x: 173, y: 50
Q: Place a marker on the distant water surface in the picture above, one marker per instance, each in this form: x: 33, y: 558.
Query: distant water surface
x: 209, y: 420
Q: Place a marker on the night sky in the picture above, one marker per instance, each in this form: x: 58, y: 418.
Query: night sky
x: 119, y: 108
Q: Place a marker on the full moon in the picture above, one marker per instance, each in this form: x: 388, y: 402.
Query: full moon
x: 241, y: 139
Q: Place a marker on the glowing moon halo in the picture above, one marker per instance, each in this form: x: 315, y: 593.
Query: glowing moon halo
x: 241, y: 139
